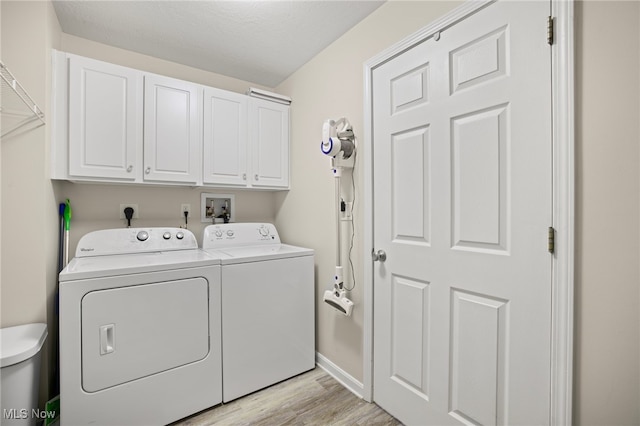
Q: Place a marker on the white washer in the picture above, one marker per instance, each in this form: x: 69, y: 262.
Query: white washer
x: 268, y: 306
x: 139, y: 328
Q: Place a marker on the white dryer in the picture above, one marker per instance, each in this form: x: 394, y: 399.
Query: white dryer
x: 268, y: 306
x: 140, y: 326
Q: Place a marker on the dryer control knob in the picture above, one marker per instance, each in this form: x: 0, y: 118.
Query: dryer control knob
x: 142, y: 236
x: 166, y: 235
x: 230, y: 232
x: 218, y: 233
x: 264, y: 231
x: 179, y: 235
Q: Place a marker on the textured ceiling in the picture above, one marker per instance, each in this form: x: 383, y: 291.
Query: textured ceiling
x: 259, y: 41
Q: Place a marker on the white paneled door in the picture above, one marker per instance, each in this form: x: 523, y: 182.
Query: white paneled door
x: 462, y: 205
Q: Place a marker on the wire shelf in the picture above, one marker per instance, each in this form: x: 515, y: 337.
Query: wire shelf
x: 17, y: 108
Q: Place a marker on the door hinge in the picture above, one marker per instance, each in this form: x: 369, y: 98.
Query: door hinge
x: 551, y: 240
x: 550, y: 32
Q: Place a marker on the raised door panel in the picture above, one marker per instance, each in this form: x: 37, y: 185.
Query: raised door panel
x: 224, y: 138
x: 105, y: 120
x: 269, y: 129
x: 172, y: 148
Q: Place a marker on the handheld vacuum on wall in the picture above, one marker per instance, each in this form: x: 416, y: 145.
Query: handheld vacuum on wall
x: 338, y: 142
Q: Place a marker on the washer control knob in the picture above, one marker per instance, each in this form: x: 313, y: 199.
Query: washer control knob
x: 218, y: 233
x: 166, y: 235
x: 179, y: 235
x: 142, y: 236
x: 230, y: 232
x: 264, y: 231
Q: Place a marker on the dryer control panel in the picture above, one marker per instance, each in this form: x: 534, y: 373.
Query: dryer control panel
x: 239, y: 234
x: 135, y: 240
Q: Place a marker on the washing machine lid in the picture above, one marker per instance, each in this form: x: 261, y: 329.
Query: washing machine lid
x: 125, y: 264
x: 248, y: 242
x: 244, y: 254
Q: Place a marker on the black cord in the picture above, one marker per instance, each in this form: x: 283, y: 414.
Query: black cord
x: 186, y: 221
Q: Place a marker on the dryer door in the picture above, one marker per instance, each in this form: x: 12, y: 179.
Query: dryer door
x: 133, y: 332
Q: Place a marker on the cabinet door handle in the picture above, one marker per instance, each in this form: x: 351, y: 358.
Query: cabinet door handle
x: 244, y: 176
x: 257, y: 177
x: 148, y: 170
x: 129, y: 169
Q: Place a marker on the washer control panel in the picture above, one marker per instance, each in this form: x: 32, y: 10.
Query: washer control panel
x: 239, y: 234
x: 135, y: 240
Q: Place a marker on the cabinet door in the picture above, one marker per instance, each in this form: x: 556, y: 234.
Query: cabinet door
x: 171, y: 130
x: 105, y: 120
x: 269, y: 133
x: 225, y: 138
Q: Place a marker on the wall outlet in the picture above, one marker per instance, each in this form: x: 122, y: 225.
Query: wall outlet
x: 136, y: 210
x: 185, y: 208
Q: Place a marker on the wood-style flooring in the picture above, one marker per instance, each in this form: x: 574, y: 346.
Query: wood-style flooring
x: 312, y: 398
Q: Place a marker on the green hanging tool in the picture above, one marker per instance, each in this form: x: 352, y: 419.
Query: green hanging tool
x: 67, y: 226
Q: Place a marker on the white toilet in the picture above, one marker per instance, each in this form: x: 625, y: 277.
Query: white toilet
x: 20, y: 373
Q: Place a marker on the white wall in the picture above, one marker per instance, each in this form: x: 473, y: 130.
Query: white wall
x: 28, y: 229
x: 607, y: 353
x: 97, y: 206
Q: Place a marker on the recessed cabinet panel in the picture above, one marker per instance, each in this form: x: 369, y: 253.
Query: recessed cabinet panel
x: 105, y: 110
x: 225, y: 138
x: 171, y: 134
x: 269, y: 123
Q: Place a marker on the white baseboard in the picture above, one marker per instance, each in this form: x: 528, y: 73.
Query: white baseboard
x: 340, y: 375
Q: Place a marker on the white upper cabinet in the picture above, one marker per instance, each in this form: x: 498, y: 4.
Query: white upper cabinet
x: 105, y: 111
x: 171, y: 130
x: 225, y: 138
x: 117, y: 124
x: 269, y: 143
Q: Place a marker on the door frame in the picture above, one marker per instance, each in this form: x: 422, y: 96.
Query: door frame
x: 563, y: 190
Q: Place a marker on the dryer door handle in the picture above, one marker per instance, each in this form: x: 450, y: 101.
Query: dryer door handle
x: 107, y: 339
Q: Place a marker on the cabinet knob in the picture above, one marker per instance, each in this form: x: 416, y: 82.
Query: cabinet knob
x: 129, y: 169
x: 147, y: 170
x: 257, y: 177
x: 244, y: 176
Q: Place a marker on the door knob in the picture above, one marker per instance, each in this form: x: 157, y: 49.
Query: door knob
x: 379, y: 255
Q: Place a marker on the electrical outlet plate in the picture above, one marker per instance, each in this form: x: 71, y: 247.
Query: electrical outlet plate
x: 185, y: 208
x: 136, y: 210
